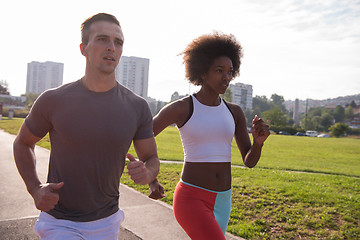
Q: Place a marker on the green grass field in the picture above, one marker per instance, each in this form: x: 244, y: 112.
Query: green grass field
x: 340, y: 156
x: 302, y: 188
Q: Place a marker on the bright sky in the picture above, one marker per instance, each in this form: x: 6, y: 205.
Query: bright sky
x: 294, y: 48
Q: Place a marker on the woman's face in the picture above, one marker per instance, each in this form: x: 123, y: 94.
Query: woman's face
x: 219, y: 75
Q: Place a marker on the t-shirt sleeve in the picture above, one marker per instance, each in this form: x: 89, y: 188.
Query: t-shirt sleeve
x: 38, y: 119
x: 145, y: 126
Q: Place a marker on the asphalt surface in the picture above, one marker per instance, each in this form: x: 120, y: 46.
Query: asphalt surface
x: 144, y: 218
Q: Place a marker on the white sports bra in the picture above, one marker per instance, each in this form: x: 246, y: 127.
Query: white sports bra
x: 207, y: 135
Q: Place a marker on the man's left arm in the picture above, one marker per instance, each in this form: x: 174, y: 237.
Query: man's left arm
x: 144, y: 170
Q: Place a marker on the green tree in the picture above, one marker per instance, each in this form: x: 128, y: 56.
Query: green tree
x: 30, y: 99
x: 349, y: 113
x: 326, y: 120
x: 260, y: 104
x: 249, y: 117
x: 4, y: 87
x: 319, y: 119
x: 353, y: 104
x: 278, y: 100
x: 315, y: 112
x: 338, y: 129
x: 339, y: 114
x: 312, y: 119
x: 276, y: 117
x: 315, y: 122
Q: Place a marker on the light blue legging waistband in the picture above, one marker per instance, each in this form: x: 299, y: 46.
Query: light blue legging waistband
x: 222, y: 192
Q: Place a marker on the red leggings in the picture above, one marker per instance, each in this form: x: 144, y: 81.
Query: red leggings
x: 194, y: 211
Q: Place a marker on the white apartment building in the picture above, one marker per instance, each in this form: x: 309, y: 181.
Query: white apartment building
x: 133, y: 73
x: 43, y: 75
x: 242, y: 95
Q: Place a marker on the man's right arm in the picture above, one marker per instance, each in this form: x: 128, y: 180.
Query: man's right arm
x: 44, y: 195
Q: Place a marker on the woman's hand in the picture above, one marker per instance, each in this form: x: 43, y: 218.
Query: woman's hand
x: 260, y: 130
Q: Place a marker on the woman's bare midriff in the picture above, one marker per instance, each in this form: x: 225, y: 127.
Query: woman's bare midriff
x: 212, y: 176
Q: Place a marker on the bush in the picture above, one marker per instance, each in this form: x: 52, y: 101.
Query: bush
x: 18, y: 113
x: 339, y: 129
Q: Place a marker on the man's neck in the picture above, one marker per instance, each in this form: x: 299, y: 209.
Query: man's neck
x: 99, y: 83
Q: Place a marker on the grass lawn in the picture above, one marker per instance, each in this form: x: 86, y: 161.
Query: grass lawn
x: 277, y: 204
x: 302, y: 188
x: 339, y: 156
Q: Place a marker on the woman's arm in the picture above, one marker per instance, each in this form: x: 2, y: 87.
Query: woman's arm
x: 173, y: 113
x: 250, y: 152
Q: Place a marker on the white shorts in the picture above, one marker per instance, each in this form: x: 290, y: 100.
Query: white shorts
x: 48, y: 227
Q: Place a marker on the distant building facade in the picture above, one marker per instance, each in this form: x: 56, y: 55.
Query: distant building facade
x: 296, y: 112
x: 155, y: 105
x: 355, y: 121
x: 175, y: 96
x: 242, y: 95
x: 43, y: 75
x: 133, y: 73
x: 12, y: 101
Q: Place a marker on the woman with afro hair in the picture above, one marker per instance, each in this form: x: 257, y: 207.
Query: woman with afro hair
x: 207, y: 125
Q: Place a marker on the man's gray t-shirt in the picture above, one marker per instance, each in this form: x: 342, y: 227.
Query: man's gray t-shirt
x: 90, y: 134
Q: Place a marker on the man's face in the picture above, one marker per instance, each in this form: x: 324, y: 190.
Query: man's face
x: 104, y: 47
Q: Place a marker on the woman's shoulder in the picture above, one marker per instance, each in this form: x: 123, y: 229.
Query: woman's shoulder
x: 234, y: 108
x: 176, y: 111
x: 180, y: 105
x: 236, y: 111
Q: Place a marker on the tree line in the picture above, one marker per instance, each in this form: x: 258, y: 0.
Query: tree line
x: 272, y: 110
x: 321, y: 119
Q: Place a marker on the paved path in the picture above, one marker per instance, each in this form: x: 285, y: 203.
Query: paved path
x: 144, y: 218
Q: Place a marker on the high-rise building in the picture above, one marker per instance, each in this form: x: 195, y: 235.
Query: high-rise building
x: 242, y: 95
x: 296, y: 112
x: 43, y: 75
x: 133, y: 73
